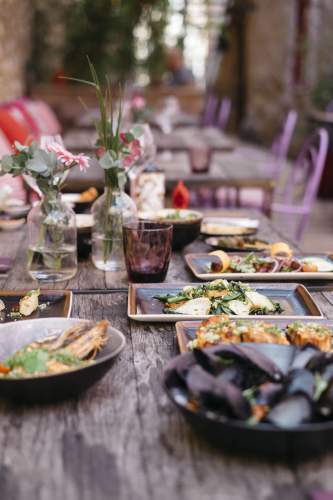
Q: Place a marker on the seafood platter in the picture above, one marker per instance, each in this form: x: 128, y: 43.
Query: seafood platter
x: 46, y: 360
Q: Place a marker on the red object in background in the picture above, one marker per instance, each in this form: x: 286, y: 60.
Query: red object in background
x: 13, y: 129
x: 180, y: 196
x: 58, y: 77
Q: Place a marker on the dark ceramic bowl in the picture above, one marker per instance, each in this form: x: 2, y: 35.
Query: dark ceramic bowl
x: 261, y: 440
x: 52, y: 388
x: 186, y: 224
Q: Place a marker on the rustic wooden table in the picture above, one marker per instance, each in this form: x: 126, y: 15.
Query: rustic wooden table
x: 183, y: 138
x: 234, y: 163
x: 123, y: 439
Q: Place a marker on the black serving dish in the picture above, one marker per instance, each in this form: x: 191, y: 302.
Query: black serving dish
x: 185, y: 230
x: 236, y: 436
x: 52, y: 388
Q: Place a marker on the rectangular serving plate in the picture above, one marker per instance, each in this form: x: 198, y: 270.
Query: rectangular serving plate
x: 229, y: 226
x: 60, y: 304
x: 294, y: 298
x: 232, y: 221
x: 185, y: 330
x: 197, y: 263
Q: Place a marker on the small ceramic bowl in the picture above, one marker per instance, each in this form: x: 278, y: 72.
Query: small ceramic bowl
x: 186, y: 224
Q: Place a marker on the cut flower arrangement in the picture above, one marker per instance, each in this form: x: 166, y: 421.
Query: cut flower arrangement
x: 47, y: 166
x: 51, y: 223
x: 117, y: 151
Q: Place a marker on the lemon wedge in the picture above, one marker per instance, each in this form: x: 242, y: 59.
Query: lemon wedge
x: 224, y: 258
x: 281, y: 249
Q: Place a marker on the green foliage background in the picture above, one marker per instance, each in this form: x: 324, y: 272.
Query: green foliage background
x: 66, y: 31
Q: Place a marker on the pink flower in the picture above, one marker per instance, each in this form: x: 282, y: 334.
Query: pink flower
x: 83, y: 161
x: 100, y: 151
x: 135, y: 147
x: 67, y: 158
x: 138, y: 103
x: 133, y: 151
x: 129, y: 160
x: 123, y: 139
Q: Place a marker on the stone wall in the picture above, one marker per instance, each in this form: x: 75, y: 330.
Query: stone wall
x: 269, y: 49
x: 320, y: 41
x: 15, y: 24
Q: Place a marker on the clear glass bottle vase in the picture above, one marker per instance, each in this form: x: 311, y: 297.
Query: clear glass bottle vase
x: 110, y: 211
x: 52, y: 251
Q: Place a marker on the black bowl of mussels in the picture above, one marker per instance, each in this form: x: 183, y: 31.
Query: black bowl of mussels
x: 265, y: 399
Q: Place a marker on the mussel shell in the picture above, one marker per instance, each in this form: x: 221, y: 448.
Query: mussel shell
x: 233, y: 375
x: 319, y: 362
x: 301, y: 381
x: 217, y: 394
x: 180, y: 366
x: 291, y: 412
x: 251, y: 356
x: 327, y: 373
x: 303, y: 356
x: 208, y: 361
x: 268, y: 393
x: 325, y: 402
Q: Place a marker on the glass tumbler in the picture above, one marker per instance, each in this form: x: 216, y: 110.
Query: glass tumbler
x: 200, y: 158
x: 147, y: 248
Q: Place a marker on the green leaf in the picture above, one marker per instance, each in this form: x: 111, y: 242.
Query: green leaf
x: 137, y: 130
x: 42, y: 163
x: 78, y: 80
x: 108, y: 161
x: 6, y: 164
x: 20, y: 147
x: 29, y: 361
x: 129, y: 137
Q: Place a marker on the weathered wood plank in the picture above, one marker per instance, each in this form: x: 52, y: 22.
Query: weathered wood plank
x: 87, y: 448
x: 88, y: 277
x: 122, y: 439
x: 181, y: 461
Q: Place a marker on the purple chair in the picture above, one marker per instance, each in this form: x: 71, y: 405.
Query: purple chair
x: 281, y: 143
x: 209, y: 112
x: 306, y: 174
x: 255, y: 198
x: 224, y: 113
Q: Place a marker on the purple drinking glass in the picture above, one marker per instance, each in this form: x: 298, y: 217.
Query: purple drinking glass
x: 147, y: 248
x: 200, y: 158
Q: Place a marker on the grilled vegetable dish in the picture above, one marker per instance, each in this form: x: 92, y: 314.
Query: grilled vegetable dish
x: 246, y: 243
x: 74, y: 348
x: 178, y: 215
x: 251, y: 263
x: 240, y: 383
x: 222, y: 329
x: 219, y: 296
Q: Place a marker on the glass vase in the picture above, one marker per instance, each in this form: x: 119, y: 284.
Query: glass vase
x: 110, y: 212
x: 52, y: 251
